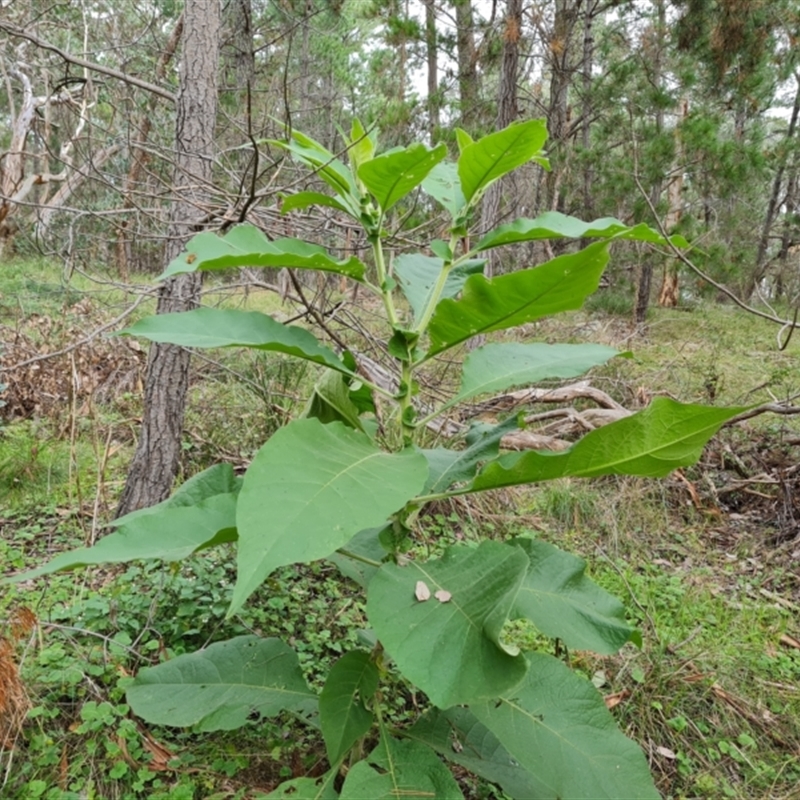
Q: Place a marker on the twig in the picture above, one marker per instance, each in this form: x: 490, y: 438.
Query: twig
x: 785, y: 323
x: 13, y: 30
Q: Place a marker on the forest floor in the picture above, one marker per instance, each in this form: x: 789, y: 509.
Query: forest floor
x: 707, y: 560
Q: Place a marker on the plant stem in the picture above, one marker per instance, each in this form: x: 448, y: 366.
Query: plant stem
x: 383, y: 277
x: 357, y: 557
x: 438, y: 287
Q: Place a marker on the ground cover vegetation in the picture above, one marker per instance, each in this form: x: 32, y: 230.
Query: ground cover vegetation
x: 129, y: 130
x: 562, y: 503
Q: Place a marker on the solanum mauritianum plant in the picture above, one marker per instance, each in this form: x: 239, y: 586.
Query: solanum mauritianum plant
x: 329, y: 486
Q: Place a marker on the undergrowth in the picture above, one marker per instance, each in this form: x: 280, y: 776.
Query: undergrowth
x: 707, y: 572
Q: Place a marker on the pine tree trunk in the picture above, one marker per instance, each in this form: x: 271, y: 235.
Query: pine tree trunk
x: 432, y: 57
x: 156, y: 461
x: 507, y: 112
x: 646, y: 269
x: 773, y: 205
x: 468, y: 88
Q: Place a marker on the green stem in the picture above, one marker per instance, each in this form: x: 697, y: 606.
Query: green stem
x: 383, y: 277
x: 406, y: 381
x: 357, y: 557
x: 438, y: 287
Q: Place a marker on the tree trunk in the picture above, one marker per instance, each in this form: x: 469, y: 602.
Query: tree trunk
x: 669, y: 295
x: 646, y: 269
x: 468, y: 88
x: 774, y: 201
x: 558, y: 123
x: 139, y: 155
x: 156, y: 461
x: 587, y: 110
x: 507, y: 112
x: 432, y: 57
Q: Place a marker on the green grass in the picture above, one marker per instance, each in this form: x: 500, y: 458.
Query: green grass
x: 712, y: 696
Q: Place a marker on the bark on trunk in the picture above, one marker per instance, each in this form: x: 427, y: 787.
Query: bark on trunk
x: 669, y: 295
x: 587, y: 110
x: 646, y: 269
x: 155, y: 463
x: 774, y: 202
x: 560, y: 57
x: 432, y: 57
x: 468, y: 88
x: 507, y: 112
x: 139, y: 156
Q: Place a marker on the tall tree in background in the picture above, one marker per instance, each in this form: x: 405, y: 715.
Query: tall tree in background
x: 469, y: 92
x: 507, y: 112
x: 156, y: 460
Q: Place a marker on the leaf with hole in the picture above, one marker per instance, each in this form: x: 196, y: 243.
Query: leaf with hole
x: 451, y: 650
x: 444, y: 186
x: 556, y: 726
x: 247, y: 246
x: 223, y: 685
x: 391, y: 176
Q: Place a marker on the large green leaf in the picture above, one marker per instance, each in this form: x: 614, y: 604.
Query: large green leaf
x: 325, y: 164
x: 417, y: 275
x: 497, y: 367
x: 444, y: 186
x: 664, y: 436
x: 563, y: 603
x: 171, y: 535
x: 493, y: 304
x: 396, y: 770
x: 217, y: 327
x: 219, y: 479
x: 484, y: 161
x: 447, y: 466
x: 247, y: 246
x: 555, y: 225
x: 391, y: 176
x: 330, y: 402
x: 556, y: 726
x: 462, y: 739
x: 303, y: 200
x: 307, y: 788
x: 309, y: 490
x: 452, y: 649
x: 343, y: 717
x: 222, y: 686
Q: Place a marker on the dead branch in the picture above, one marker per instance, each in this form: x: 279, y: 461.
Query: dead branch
x: 21, y: 33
